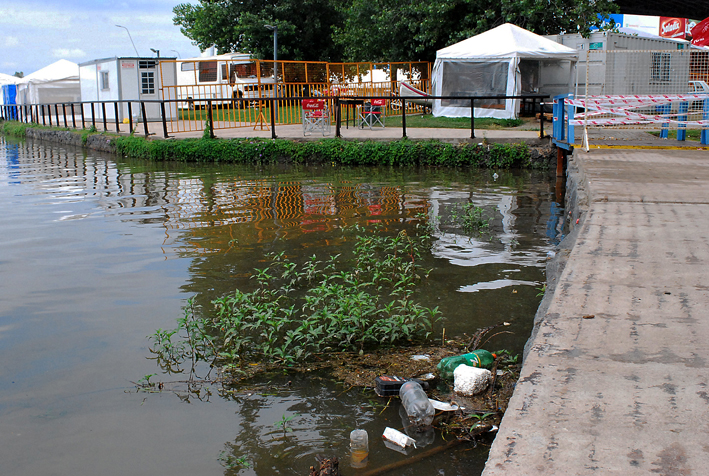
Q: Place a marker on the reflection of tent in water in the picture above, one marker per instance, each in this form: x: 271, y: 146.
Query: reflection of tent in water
x: 507, y: 60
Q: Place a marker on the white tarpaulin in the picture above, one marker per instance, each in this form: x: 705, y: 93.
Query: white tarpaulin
x: 507, y: 60
x: 56, y: 83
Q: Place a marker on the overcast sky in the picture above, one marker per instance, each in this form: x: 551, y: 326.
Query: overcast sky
x: 36, y: 33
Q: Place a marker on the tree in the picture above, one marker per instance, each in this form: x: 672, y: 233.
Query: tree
x: 19, y: 74
x: 410, y: 30
x: 304, y: 27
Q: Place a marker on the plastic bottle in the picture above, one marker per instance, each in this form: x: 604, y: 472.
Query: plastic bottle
x: 478, y: 358
x: 416, y: 404
x: 359, y: 448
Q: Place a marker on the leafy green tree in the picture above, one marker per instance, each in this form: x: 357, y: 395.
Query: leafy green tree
x: 372, y: 30
x: 304, y: 27
x: 410, y: 30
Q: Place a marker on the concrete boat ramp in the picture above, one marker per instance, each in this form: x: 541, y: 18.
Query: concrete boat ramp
x: 616, y: 378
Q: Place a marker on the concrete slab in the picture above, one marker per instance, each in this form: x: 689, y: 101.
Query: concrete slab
x: 625, y: 391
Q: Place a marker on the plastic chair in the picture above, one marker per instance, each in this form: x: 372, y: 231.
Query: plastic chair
x: 372, y: 113
x: 316, y: 116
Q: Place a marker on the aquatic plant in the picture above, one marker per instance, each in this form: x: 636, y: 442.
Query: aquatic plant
x: 299, y: 310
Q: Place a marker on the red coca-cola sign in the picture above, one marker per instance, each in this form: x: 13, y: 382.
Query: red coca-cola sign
x: 700, y: 33
x: 672, y: 27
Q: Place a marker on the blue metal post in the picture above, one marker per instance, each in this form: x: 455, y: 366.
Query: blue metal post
x: 704, y: 136
x: 665, y: 132
x: 682, y: 128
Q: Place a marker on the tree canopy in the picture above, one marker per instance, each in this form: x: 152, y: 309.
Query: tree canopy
x: 372, y: 30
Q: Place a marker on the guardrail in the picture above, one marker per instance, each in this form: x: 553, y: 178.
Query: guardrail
x: 56, y: 113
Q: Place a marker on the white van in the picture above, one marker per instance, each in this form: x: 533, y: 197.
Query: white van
x: 223, y: 78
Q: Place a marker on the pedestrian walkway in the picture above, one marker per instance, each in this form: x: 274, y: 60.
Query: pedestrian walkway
x: 616, y: 381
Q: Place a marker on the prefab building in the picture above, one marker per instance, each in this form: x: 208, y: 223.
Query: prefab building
x: 126, y: 79
x: 614, y: 63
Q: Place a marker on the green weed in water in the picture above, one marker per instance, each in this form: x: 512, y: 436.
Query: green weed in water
x: 299, y: 310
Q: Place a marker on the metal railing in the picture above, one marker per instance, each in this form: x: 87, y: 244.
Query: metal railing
x: 95, y: 112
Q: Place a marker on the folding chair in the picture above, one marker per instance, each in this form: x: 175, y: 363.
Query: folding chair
x: 316, y: 116
x: 372, y: 113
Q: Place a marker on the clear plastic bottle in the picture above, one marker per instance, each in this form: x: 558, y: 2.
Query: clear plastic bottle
x: 359, y: 448
x: 416, y: 404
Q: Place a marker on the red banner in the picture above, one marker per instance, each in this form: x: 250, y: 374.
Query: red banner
x: 672, y: 27
x: 700, y: 33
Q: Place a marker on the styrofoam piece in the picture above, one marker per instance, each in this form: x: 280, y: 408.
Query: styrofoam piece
x: 443, y: 406
x: 398, y: 438
x: 470, y: 380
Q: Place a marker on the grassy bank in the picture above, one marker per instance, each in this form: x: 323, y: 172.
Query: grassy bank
x: 331, y: 151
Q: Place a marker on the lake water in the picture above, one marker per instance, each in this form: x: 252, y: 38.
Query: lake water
x: 98, y: 252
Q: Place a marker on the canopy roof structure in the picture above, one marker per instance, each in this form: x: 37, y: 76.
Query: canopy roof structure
x: 55, y: 83
x: 7, y: 79
x: 507, y: 41
x: 505, y: 61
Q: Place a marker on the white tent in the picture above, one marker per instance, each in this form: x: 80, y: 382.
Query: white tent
x: 507, y: 60
x: 7, y: 79
x: 56, y: 83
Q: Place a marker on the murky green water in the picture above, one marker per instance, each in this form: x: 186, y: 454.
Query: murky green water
x: 97, y: 253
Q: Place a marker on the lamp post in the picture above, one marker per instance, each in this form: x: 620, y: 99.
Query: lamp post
x: 157, y: 52
x: 131, y: 39
x: 274, y: 29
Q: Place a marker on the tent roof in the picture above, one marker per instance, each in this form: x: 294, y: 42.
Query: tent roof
x: 7, y: 79
x: 62, y: 69
x: 507, y: 41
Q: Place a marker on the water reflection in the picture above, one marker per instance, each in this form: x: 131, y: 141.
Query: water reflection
x: 97, y: 253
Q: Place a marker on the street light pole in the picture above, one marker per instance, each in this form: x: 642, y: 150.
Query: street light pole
x: 157, y: 52
x: 275, y: 64
x: 131, y: 39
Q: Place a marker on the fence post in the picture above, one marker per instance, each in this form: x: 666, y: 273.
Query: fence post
x: 130, y: 118
x: 73, y: 117
x: 93, y: 115
x: 403, y: 116
x: 682, y: 128
x: 665, y: 131
x: 145, y: 119
x: 338, y: 117
x: 56, y: 113
x: 704, y: 135
x: 164, y: 119
x: 103, y: 111
x: 66, y: 124
x: 211, y: 119
x: 44, y: 120
x: 472, y: 118
x: 115, y: 112
x: 273, y: 117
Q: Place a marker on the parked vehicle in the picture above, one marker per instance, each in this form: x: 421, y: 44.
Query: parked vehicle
x: 223, y: 77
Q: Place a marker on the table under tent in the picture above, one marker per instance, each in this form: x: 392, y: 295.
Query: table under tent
x: 507, y: 60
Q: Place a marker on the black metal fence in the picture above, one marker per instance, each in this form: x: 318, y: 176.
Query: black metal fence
x: 63, y: 114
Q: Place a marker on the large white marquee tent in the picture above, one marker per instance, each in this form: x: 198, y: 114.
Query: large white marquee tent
x: 56, y: 83
x: 507, y: 60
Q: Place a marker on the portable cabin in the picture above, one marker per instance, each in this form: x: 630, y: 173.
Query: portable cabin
x: 616, y: 63
x: 126, y: 79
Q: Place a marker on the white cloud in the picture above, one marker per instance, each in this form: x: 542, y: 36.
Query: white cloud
x: 11, y: 41
x: 68, y: 53
x: 26, y: 15
x: 9, y: 64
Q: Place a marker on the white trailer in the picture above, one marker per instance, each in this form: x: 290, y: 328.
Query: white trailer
x: 222, y: 78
